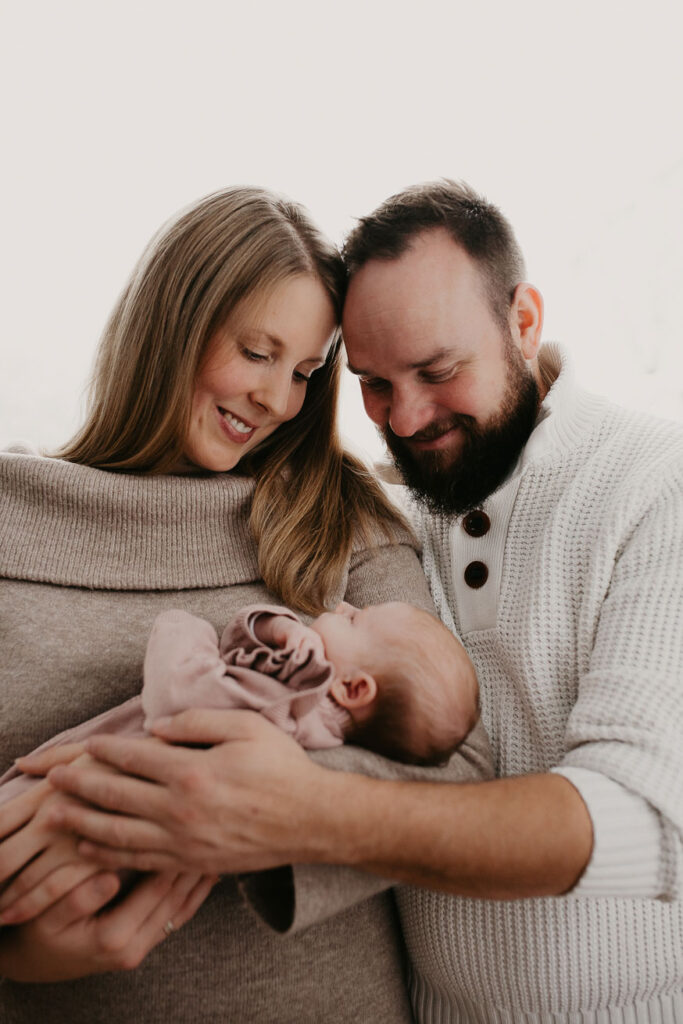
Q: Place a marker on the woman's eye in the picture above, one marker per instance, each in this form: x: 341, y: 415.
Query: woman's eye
x: 254, y: 357
x: 300, y: 378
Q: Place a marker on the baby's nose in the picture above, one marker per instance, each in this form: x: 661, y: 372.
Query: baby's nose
x: 344, y: 608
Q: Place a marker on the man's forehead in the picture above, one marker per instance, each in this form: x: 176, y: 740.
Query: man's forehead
x: 403, y: 334
x: 426, y: 282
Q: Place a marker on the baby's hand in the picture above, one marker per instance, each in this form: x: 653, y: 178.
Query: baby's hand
x: 281, y: 631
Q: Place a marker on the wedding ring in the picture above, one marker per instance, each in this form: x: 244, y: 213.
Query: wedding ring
x: 169, y: 927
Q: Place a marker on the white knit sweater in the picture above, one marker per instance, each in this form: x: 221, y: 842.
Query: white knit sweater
x: 577, y: 637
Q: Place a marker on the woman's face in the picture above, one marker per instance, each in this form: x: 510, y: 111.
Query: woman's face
x: 254, y: 373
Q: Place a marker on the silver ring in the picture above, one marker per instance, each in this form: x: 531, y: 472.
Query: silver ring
x: 169, y: 927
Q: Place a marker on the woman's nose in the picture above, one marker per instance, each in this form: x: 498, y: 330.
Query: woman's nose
x: 273, y: 394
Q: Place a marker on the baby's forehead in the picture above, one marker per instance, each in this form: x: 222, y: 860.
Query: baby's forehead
x: 402, y: 616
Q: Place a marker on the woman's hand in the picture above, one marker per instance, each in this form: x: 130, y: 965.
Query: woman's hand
x: 44, y: 861
x: 25, y: 828
x: 44, y: 880
x: 243, y: 804
x: 40, y: 762
x: 72, y: 940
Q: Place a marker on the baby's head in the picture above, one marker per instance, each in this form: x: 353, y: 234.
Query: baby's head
x: 407, y: 683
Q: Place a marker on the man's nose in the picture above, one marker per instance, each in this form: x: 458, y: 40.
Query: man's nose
x: 409, y: 412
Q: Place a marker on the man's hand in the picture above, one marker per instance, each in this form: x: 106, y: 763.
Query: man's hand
x: 256, y: 801
x: 243, y: 804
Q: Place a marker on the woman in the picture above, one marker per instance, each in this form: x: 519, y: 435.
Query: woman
x: 208, y: 475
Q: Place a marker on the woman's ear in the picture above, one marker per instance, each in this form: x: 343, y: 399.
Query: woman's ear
x: 355, y: 690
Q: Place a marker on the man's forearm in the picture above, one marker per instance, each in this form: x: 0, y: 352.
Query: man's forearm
x: 505, y: 839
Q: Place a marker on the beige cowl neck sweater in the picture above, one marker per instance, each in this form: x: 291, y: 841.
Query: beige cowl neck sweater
x: 87, y: 560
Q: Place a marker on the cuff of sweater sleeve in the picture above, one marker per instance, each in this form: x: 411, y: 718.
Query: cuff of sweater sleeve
x: 626, y: 860
x: 294, y: 897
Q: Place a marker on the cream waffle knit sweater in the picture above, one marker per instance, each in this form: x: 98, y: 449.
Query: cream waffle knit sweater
x: 577, y: 638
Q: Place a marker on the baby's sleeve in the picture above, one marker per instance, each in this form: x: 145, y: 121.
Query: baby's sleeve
x: 182, y: 667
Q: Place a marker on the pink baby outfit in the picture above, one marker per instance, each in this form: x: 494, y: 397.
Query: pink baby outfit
x: 186, y: 667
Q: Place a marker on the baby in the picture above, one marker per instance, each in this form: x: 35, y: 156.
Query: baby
x: 389, y: 677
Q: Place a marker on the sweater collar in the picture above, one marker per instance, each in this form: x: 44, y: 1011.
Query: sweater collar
x: 73, y: 525
x: 567, y: 413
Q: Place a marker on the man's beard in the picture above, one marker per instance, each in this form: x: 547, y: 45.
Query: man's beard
x: 453, y: 484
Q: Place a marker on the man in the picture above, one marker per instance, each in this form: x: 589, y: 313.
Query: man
x: 552, y: 527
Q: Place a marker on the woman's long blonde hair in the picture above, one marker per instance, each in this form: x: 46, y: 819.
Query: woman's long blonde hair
x: 311, y: 498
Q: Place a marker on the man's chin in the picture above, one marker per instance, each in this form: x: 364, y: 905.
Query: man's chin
x: 454, y: 479
x: 448, y: 483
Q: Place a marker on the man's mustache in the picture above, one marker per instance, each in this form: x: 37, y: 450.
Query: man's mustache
x: 432, y: 430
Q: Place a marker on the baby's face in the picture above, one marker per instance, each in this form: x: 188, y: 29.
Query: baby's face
x: 357, y: 637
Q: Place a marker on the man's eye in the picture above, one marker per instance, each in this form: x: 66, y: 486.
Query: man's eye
x: 374, y: 383
x: 439, y: 376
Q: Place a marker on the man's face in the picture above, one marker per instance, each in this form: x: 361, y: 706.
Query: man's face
x: 445, y: 382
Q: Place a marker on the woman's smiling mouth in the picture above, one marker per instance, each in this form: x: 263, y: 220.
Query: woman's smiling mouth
x: 235, y: 428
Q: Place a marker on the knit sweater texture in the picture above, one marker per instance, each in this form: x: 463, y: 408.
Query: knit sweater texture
x: 88, y: 559
x: 577, y: 639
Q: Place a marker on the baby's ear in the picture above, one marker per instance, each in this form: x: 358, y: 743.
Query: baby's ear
x: 355, y: 690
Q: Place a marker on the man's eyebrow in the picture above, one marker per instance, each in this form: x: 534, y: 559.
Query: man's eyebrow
x: 421, y: 364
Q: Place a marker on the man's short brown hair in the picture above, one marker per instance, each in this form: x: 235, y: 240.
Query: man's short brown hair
x: 471, y: 221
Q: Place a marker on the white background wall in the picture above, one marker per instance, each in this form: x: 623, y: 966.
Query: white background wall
x: 117, y: 114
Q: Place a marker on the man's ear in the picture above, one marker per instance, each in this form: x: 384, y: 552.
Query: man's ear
x: 356, y: 690
x: 526, y: 319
